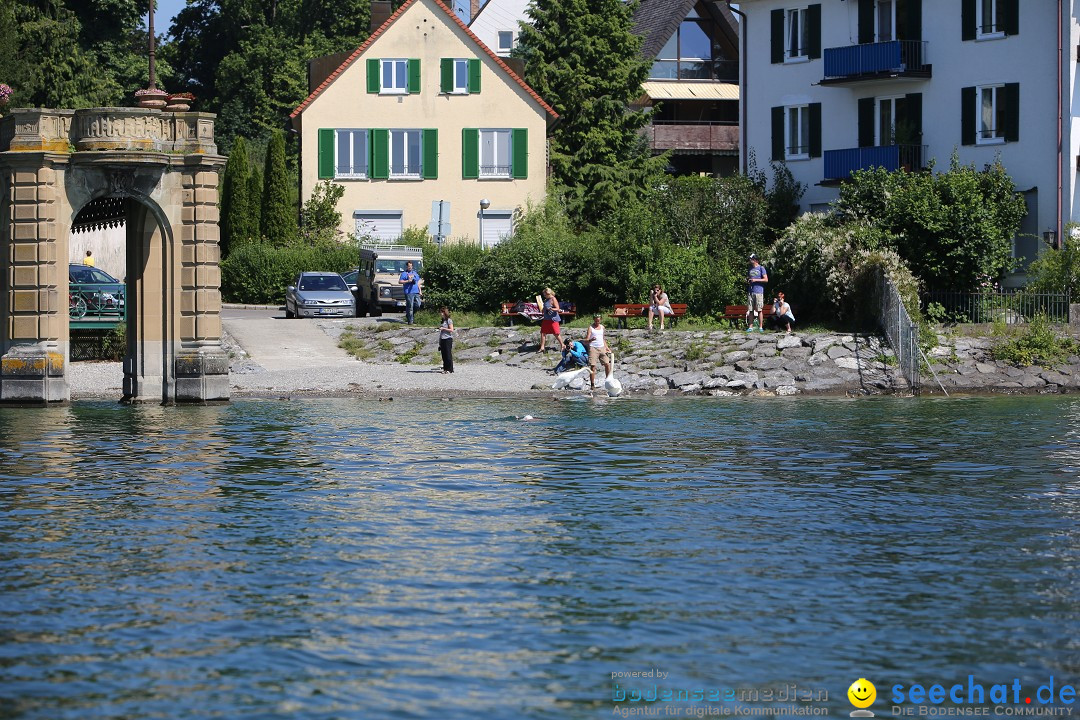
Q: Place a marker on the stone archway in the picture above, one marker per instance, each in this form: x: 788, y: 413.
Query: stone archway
x: 165, y: 165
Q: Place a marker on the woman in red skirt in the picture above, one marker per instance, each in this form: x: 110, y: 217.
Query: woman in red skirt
x: 549, y: 325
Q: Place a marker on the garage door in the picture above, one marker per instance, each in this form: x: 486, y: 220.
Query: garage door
x: 498, y: 225
x: 382, y: 225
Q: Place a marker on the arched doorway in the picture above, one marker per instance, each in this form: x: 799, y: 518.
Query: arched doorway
x: 163, y: 168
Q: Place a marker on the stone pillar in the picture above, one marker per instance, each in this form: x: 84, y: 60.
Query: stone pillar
x: 33, y: 362
x: 202, y: 367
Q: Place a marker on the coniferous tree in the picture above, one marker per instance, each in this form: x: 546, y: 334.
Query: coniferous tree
x: 278, y: 214
x: 235, y: 204
x: 255, y: 193
x: 583, y: 58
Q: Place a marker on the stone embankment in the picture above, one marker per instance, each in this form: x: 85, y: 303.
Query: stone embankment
x: 718, y: 363
x: 965, y: 364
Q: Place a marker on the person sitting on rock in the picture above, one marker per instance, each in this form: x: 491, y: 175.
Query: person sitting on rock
x: 574, y: 355
x: 781, y: 317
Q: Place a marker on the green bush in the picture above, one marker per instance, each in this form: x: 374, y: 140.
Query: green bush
x: 259, y: 273
x: 1058, y: 270
x: 1038, y: 344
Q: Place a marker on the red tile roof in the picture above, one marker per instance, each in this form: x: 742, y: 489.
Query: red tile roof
x: 390, y: 21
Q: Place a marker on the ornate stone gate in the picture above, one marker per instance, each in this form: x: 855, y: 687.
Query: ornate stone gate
x: 52, y: 164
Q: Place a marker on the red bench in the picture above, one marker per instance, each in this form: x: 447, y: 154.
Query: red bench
x: 624, y: 311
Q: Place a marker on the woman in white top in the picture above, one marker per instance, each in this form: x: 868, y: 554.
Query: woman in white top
x: 446, y: 340
x: 659, y: 304
x: 598, y: 349
x: 782, y: 317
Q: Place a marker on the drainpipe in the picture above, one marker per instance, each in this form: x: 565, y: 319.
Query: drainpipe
x: 743, y: 153
x: 1060, y: 111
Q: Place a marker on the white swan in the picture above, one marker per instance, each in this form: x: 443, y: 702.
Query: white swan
x: 611, y: 383
x: 564, y: 379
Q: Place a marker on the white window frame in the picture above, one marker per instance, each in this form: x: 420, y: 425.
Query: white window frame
x: 891, y: 100
x: 493, y: 171
x: 800, y: 116
x: 500, y: 36
x: 878, y: 35
x: 996, y: 31
x: 461, y: 65
x: 997, y: 134
x: 399, y: 75
x: 350, y: 134
x: 409, y: 173
x: 796, y: 48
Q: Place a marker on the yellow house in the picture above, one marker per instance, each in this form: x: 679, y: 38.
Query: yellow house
x: 424, y: 120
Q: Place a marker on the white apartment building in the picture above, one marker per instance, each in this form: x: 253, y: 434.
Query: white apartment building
x: 839, y: 85
x: 496, y: 23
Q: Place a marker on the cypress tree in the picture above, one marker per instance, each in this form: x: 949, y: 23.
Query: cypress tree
x: 278, y: 220
x: 255, y: 192
x: 584, y: 59
x: 235, y: 203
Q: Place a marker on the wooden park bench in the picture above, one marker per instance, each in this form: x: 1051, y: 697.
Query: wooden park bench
x: 736, y: 314
x: 631, y: 310
x: 534, y: 312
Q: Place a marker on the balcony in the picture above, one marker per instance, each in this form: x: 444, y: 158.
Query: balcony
x: 694, y: 137
x: 876, y: 61
x: 839, y: 164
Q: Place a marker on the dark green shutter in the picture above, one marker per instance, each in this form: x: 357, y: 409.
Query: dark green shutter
x: 474, y: 75
x: 866, y: 122
x: 374, y: 81
x: 446, y: 75
x: 913, y: 21
x: 519, y: 153
x: 414, y: 75
x: 380, y: 154
x: 968, y: 20
x: 967, y: 116
x: 912, y: 117
x: 777, y: 25
x: 778, y: 134
x: 866, y: 21
x: 429, y: 153
x: 1011, y: 21
x: 326, y: 153
x: 813, y: 31
x: 815, y: 130
x: 1012, y: 112
x: 470, y: 153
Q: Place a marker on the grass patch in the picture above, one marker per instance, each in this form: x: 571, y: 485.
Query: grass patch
x: 386, y: 346
x: 406, y: 357
x: 383, y: 327
x: 1038, y: 344
x: 354, y: 345
x: 884, y: 359
x: 462, y: 318
x: 696, y: 351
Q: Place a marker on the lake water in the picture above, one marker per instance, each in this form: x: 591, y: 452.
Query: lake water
x: 432, y: 559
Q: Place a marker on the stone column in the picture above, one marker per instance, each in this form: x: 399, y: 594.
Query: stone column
x: 202, y: 367
x: 32, y: 368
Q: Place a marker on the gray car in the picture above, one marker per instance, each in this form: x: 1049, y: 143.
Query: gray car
x: 319, y: 294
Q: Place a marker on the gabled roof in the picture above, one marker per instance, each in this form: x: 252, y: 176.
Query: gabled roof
x: 390, y: 21
x: 657, y: 21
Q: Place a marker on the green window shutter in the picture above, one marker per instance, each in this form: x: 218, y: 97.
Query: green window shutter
x: 813, y: 31
x: 1011, y: 21
x: 519, y: 153
x: 815, y: 130
x: 414, y: 75
x: 374, y: 81
x: 1012, y: 112
x: 776, y: 20
x: 326, y: 153
x: 379, y: 167
x: 968, y: 20
x: 866, y: 122
x: 912, y: 117
x: 474, y: 75
x: 429, y: 149
x: 967, y: 116
x: 778, y: 134
x: 866, y: 21
x: 913, y: 21
x: 446, y: 75
x: 470, y: 153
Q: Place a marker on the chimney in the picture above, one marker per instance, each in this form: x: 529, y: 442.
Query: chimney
x: 381, y: 10
x: 474, y: 7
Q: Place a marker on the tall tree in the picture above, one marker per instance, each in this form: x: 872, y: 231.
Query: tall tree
x: 255, y: 193
x: 235, y: 203
x: 582, y: 57
x: 278, y: 213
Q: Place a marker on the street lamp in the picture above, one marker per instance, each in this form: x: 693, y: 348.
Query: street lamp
x: 484, y: 205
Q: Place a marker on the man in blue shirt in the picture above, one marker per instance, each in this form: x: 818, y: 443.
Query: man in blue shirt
x: 755, y: 301
x: 410, y: 279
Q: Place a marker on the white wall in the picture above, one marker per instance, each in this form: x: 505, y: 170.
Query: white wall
x: 108, y: 245
x: 498, y: 15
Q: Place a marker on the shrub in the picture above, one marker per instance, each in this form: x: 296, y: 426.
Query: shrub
x: 1038, y: 344
x: 450, y: 276
x: 278, y: 216
x: 1058, y: 270
x: 320, y: 214
x: 259, y: 273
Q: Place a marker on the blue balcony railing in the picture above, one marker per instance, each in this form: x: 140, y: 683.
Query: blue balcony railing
x: 895, y: 56
x: 839, y: 164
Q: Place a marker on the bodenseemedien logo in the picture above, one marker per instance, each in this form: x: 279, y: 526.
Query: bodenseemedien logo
x: 862, y: 694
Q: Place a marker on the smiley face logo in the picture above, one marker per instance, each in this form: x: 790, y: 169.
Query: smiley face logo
x: 862, y: 693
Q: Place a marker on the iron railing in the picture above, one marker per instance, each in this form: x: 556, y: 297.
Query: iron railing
x: 901, y: 332
x: 894, y: 56
x: 839, y: 164
x: 1010, y: 306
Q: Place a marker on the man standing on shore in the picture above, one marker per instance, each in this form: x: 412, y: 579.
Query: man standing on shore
x: 755, y: 301
x: 410, y: 279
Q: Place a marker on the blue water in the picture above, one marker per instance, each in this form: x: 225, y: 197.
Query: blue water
x: 433, y: 559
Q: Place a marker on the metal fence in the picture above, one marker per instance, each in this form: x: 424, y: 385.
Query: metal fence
x: 1011, y: 307
x: 900, y: 331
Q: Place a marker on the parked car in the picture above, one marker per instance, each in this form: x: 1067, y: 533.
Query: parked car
x: 102, y: 293
x: 319, y: 294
